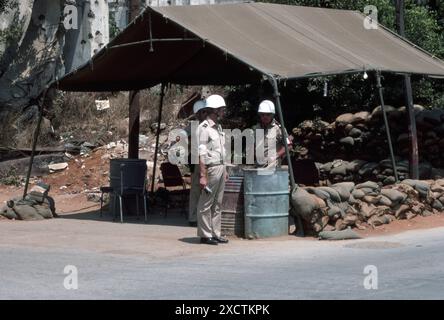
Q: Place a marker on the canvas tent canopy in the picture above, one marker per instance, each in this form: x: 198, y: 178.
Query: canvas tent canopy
x: 240, y: 43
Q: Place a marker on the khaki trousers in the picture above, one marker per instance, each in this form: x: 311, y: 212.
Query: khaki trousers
x: 194, y: 194
x: 209, y: 215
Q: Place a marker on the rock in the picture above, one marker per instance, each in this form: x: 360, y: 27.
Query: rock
x: 154, y: 126
x: 57, y: 167
x: 27, y: 212
x: 93, y: 197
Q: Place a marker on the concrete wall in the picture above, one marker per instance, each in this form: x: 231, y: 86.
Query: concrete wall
x: 91, y: 35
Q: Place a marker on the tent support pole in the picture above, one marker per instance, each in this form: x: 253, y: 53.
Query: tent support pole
x: 159, y: 119
x: 386, y: 124
x: 134, y: 125
x: 284, y: 132
x: 414, y: 156
x: 299, y: 226
x: 34, y: 143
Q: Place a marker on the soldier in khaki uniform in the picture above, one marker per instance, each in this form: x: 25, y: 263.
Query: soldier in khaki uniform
x: 212, y: 173
x: 199, y: 109
x: 268, y: 156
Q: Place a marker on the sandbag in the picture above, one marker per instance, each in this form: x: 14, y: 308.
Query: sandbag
x: 394, y: 195
x: 303, y: 203
x: 44, y: 211
x: 318, y: 192
x: 334, y: 195
x: 385, y: 201
x: 344, y: 189
x: 8, y: 213
x: 339, y: 235
x: 358, y: 194
x: 26, y: 212
x: 368, y: 184
x: 341, y: 170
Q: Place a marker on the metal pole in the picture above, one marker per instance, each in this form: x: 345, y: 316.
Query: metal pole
x: 34, y: 143
x: 387, y: 128
x: 299, y: 225
x: 134, y: 125
x: 284, y: 132
x: 159, y: 119
x: 414, y: 157
x: 134, y: 101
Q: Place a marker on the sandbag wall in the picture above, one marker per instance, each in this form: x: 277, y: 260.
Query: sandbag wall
x: 362, y: 136
x: 347, y: 204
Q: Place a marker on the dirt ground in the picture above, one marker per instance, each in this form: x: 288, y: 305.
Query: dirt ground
x: 70, y: 187
x: 75, y: 203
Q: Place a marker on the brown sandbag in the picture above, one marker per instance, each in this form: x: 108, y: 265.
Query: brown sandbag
x: 346, y: 234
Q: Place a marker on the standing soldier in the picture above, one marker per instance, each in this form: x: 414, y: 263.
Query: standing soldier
x: 272, y: 133
x: 212, y: 173
x: 200, y: 112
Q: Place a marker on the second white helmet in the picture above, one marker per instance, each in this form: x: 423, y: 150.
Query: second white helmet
x: 266, y: 106
x: 199, y: 105
x: 215, y: 101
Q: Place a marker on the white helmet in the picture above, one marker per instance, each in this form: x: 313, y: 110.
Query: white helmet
x: 199, y: 105
x: 266, y: 106
x: 215, y: 101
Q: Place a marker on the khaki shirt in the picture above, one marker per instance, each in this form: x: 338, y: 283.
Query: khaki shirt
x: 272, y: 134
x: 211, y: 142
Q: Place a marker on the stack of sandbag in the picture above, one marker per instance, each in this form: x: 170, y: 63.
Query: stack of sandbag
x: 362, y: 135
x: 347, y: 204
x: 37, y: 205
x: 360, y: 170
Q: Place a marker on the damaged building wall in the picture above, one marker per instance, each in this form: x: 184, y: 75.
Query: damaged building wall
x: 45, y: 45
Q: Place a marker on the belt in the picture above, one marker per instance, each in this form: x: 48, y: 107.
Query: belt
x: 214, y: 165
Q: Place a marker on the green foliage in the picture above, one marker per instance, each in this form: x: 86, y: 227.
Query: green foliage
x: 11, y: 178
x: 423, y: 26
x: 113, y: 29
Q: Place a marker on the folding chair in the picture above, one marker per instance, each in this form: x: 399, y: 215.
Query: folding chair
x: 133, y: 181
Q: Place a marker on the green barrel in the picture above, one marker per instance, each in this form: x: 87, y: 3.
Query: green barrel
x: 266, y: 203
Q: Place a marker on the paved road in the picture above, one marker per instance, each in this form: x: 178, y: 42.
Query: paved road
x: 409, y: 265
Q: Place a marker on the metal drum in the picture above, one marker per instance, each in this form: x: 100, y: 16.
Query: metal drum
x: 266, y: 201
x: 233, y: 207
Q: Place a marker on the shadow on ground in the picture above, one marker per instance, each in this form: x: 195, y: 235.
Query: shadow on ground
x: 156, y: 216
